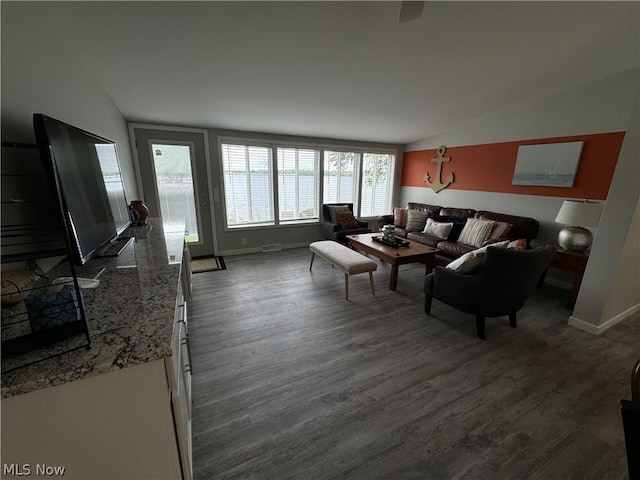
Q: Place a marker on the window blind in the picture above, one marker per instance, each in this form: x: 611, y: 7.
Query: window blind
x: 298, y: 184
x: 248, y: 184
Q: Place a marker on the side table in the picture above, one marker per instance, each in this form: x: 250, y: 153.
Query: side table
x: 571, y: 261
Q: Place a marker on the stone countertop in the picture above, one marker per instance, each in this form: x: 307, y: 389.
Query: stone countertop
x: 130, y: 313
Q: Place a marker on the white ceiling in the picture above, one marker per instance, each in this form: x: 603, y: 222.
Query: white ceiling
x: 346, y: 70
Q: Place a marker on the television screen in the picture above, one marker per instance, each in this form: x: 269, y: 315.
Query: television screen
x: 108, y: 158
x: 90, y: 182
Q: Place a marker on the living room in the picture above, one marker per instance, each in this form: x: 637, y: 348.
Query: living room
x: 51, y: 62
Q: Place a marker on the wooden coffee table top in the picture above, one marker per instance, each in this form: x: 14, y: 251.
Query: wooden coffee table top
x: 414, y: 252
x: 394, y: 256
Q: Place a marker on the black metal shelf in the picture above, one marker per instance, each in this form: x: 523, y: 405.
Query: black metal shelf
x: 38, y: 323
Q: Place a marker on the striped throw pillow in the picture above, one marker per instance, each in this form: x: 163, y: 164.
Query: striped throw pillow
x: 416, y: 220
x: 501, y: 229
x: 476, y: 232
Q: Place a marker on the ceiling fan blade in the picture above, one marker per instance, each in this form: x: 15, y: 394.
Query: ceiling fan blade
x: 410, y: 10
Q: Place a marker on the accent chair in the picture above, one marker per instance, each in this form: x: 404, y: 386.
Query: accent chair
x: 498, y: 287
x: 333, y: 230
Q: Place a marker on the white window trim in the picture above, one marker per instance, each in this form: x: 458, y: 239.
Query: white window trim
x: 322, y: 147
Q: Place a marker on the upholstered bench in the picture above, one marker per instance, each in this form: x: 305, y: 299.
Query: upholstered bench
x: 349, y: 261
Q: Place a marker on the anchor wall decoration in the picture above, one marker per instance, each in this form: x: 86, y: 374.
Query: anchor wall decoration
x: 437, y: 185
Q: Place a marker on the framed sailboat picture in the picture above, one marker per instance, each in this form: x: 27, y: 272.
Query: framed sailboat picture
x: 548, y: 165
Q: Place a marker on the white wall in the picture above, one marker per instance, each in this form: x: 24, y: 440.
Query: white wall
x: 624, y: 293
x: 610, y: 261
x: 42, y: 74
x: 608, y: 105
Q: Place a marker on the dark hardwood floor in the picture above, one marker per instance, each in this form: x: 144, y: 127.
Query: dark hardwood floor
x: 290, y: 381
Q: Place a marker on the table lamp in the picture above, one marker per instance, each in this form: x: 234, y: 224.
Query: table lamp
x: 577, y: 215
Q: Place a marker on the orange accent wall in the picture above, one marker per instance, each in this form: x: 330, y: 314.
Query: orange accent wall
x: 489, y: 167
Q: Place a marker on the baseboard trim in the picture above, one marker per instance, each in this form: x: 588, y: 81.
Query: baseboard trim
x: 598, y: 329
x: 243, y: 251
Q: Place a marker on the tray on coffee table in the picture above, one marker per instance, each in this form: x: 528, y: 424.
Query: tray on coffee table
x: 397, y: 243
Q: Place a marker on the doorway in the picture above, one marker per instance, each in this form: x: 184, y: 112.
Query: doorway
x: 174, y: 177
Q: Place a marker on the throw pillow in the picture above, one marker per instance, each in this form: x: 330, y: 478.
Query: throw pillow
x: 335, y: 209
x: 501, y: 229
x: 520, y: 244
x: 416, y: 220
x: 470, y: 261
x: 438, y: 229
x: 476, y: 231
x: 400, y: 217
x: 347, y: 221
x: 458, y: 225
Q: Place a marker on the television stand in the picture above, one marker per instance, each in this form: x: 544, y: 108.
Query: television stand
x: 116, y: 247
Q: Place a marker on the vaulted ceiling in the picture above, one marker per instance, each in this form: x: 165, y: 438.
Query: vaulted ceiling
x: 342, y: 69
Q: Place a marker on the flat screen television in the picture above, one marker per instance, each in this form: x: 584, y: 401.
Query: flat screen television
x: 89, y: 177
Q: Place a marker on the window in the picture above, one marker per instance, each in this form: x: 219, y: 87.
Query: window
x: 366, y: 180
x: 172, y: 164
x: 248, y: 184
x: 298, y: 184
x: 377, y: 184
x: 283, y: 184
x: 340, y: 179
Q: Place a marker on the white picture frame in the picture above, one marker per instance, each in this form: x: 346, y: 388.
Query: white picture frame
x: 547, y: 165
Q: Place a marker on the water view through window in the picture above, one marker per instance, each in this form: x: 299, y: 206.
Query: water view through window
x: 174, y: 179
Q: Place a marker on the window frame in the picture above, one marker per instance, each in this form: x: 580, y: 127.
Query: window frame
x: 322, y: 148
x: 318, y: 186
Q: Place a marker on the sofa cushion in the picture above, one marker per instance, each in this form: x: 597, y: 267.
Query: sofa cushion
x: 400, y: 217
x: 522, y: 227
x: 453, y: 249
x: 438, y: 229
x: 432, y: 210
x: 476, y: 232
x: 416, y: 220
x: 424, y: 238
x: 459, y: 213
x: 400, y: 232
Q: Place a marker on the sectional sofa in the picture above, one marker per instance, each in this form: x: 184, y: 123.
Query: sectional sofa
x: 457, y: 231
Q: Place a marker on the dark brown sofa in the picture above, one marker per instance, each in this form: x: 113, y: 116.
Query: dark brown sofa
x: 450, y: 249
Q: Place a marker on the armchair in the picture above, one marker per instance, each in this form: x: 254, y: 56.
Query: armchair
x: 333, y: 230
x: 498, y: 287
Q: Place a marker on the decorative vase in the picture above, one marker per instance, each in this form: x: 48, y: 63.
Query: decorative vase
x: 388, y: 232
x: 138, y: 212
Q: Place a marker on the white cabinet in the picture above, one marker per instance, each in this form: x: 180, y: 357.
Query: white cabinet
x: 129, y: 423
x: 179, y: 374
x: 118, y: 425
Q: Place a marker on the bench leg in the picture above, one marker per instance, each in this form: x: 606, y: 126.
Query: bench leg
x: 346, y: 286
x: 373, y: 290
x: 313, y: 254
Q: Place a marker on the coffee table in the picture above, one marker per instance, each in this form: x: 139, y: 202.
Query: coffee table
x: 394, y: 256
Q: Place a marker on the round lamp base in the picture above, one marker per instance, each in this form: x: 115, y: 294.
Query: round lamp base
x: 575, y: 238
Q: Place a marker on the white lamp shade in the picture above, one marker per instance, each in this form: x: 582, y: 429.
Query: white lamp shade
x: 577, y: 213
